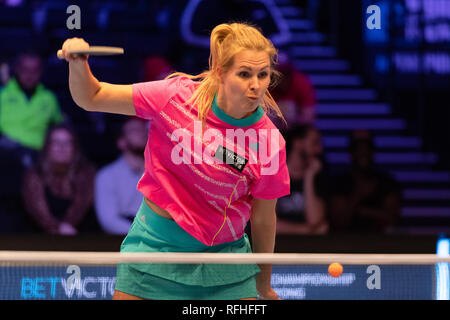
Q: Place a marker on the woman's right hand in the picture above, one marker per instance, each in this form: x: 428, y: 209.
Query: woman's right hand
x: 89, y: 93
x: 74, y: 44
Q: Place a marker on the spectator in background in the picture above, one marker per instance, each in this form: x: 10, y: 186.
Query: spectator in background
x: 303, y: 211
x: 116, y: 196
x: 58, y: 192
x: 116, y: 204
x: 364, y: 199
x: 27, y: 108
x: 294, y: 94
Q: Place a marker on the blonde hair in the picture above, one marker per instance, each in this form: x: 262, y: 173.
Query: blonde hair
x: 227, y: 40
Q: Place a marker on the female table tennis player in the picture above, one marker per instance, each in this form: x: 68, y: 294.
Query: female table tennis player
x: 191, y: 204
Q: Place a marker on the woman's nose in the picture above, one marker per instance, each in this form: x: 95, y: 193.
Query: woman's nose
x: 254, y: 84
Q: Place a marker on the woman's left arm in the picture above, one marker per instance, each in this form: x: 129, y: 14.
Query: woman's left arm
x: 263, y: 221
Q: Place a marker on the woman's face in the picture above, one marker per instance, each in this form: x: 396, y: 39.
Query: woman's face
x: 61, y: 147
x: 29, y: 71
x: 243, y: 86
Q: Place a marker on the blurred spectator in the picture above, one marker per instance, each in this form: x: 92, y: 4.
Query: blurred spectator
x: 294, y: 94
x: 58, y: 192
x: 364, y: 199
x: 117, y: 203
x: 303, y: 211
x: 27, y: 108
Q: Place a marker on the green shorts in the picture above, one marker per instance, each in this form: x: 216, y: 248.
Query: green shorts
x: 153, y: 233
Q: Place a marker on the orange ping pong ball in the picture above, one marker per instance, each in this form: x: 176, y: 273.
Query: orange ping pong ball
x: 335, y: 269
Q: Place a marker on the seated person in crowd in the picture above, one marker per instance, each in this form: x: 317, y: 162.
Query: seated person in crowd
x: 116, y: 204
x: 116, y: 196
x: 364, y: 199
x: 294, y: 94
x: 303, y: 211
x: 58, y: 192
x: 27, y: 108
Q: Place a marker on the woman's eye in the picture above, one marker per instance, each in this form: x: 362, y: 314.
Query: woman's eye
x: 245, y: 74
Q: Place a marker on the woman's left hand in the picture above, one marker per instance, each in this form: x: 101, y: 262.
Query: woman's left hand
x: 268, y: 294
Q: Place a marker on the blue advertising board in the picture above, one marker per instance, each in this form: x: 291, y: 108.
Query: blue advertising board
x: 300, y: 282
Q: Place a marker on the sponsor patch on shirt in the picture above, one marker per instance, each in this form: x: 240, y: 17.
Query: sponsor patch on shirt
x: 231, y: 158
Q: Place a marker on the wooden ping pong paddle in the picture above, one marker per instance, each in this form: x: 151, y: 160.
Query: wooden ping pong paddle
x: 94, y: 51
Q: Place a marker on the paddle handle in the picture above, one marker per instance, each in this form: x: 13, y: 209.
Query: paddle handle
x: 60, y: 54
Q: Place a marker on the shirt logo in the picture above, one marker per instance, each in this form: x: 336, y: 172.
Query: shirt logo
x: 231, y: 158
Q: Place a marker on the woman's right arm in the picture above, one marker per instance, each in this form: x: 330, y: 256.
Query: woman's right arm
x: 91, y: 94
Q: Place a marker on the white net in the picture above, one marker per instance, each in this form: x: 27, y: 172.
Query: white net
x: 92, y: 275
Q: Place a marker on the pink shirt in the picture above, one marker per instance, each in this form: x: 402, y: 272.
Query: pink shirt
x: 207, y: 187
